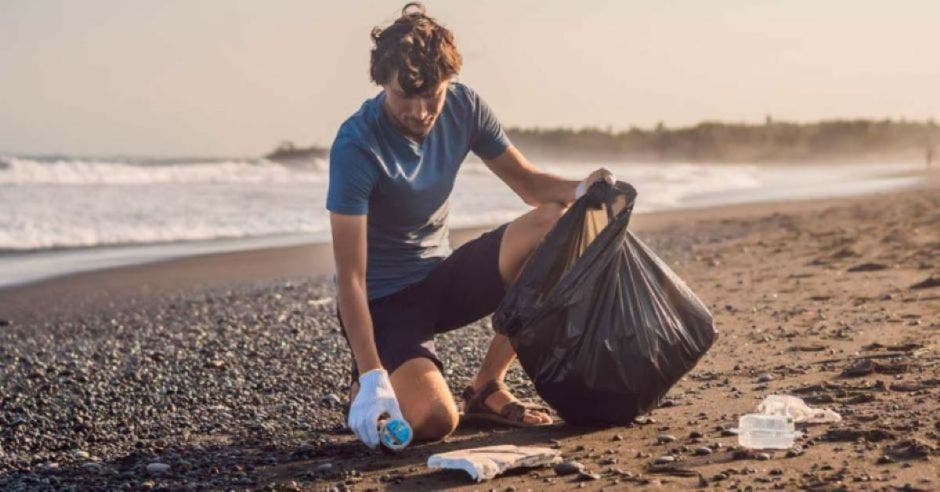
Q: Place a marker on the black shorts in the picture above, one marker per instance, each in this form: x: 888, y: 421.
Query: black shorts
x: 465, y: 287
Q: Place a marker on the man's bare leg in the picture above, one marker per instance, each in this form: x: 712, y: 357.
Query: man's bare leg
x: 520, y: 239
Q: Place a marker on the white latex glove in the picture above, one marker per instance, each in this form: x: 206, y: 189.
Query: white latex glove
x: 375, y: 398
x: 597, y: 175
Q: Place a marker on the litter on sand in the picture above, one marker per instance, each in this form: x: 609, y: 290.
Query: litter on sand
x: 758, y: 431
x: 773, y: 426
x: 487, y: 462
x: 797, y: 409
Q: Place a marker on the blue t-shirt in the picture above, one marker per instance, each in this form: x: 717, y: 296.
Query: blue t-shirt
x: 404, y: 186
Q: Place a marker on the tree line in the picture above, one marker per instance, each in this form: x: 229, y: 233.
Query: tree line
x: 773, y: 141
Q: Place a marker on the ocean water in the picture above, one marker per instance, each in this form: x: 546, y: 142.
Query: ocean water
x: 106, y: 209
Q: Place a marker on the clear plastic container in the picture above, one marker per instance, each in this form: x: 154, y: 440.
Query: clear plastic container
x: 756, y: 431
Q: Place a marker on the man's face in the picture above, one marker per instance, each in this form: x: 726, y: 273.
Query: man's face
x: 414, y: 115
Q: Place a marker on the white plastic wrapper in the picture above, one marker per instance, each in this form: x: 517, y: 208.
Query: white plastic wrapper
x: 797, y: 409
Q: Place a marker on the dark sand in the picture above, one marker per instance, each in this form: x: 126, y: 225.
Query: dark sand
x: 229, y: 365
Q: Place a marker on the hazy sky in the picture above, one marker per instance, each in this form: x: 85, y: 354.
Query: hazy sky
x: 235, y: 77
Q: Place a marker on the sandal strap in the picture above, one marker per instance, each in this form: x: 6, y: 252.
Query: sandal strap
x: 475, y: 401
x: 515, y: 410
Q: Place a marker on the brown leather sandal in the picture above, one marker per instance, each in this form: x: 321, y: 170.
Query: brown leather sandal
x: 512, y: 413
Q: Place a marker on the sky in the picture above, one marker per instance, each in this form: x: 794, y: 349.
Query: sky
x: 234, y: 78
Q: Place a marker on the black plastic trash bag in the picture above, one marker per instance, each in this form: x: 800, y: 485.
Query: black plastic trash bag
x: 602, y: 326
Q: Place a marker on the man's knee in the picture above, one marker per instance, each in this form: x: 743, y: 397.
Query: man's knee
x: 436, y: 423
x: 425, y: 399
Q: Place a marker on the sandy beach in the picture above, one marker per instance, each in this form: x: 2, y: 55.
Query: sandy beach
x: 230, y: 368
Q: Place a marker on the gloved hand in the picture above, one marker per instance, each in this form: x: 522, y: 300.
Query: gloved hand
x: 597, y: 175
x: 375, y: 398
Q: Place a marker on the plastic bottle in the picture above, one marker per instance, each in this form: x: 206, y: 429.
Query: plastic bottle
x: 756, y: 431
x: 395, y: 434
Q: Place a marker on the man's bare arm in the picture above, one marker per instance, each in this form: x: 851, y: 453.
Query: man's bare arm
x: 529, y: 182
x: 349, y: 252
x: 536, y: 187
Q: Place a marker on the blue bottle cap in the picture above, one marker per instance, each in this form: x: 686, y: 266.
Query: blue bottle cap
x: 395, y: 434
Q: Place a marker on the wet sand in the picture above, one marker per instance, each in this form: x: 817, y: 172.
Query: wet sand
x: 229, y: 367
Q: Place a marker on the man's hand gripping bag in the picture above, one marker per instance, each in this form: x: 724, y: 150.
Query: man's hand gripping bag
x: 602, y: 326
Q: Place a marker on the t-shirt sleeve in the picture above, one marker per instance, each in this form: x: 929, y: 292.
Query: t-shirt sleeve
x: 353, y: 176
x: 489, y: 139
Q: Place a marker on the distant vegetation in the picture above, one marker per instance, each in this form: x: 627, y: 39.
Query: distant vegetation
x: 773, y: 141
x: 287, y: 152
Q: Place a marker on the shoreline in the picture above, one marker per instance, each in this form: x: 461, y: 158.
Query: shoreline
x: 116, y: 286
x: 34, y: 265
x: 22, y: 266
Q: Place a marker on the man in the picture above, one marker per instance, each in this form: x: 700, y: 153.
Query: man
x: 392, y: 169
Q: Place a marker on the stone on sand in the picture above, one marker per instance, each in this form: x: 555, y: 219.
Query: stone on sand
x: 568, y: 468
x: 157, y: 467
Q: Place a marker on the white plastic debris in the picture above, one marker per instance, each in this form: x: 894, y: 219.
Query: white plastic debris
x: 797, y: 409
x: 773, y: 426
x: 757, y: 431
x: 487, y: 462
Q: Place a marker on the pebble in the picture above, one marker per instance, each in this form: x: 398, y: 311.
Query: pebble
x: 703, y: 451
x: 323, y: 467
x: 665, y: 438
x: 585, y: 476
x: 663, y: 460
x: 762, y: 456
x: 765, y: 378
x: 79, y: 454
x: 158, y: 467
x: 794, y: 452
x: 568, y: 468
x: 332, y: 400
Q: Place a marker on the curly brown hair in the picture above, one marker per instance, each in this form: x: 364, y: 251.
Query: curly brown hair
x: 418, y: 48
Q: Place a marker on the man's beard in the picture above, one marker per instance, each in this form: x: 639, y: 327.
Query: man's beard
x: 406, y: 129
x: 416, y: 130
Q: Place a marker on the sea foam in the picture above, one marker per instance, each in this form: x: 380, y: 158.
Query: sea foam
x: 68, y: 202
